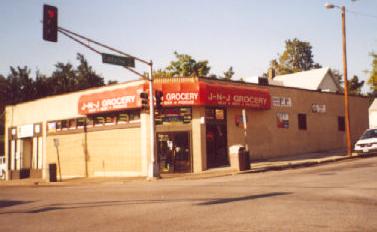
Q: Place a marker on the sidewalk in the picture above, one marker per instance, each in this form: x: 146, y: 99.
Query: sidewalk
x: 276, y: 164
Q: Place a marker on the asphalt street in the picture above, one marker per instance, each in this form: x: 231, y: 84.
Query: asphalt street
x: 339, y: 196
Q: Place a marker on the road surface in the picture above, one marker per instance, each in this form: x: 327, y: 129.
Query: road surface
x: 339, y: 196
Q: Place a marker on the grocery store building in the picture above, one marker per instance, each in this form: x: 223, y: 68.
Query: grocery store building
x: 104, y: 132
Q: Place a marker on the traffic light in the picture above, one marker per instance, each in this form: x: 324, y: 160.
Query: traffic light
x: 159, y: 95
x: 50, y: 23
x: 144, y: 100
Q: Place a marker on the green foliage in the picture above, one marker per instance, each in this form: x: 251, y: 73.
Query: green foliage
x: 19, y: 86
x: 229, y: 73
x: 297, y: 57
x: 372, y: 81
x: 160, y: 73
x: 355, y: 85
x: 185, y: 66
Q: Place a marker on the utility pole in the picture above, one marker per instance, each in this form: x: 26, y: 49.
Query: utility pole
x: 346, y: 102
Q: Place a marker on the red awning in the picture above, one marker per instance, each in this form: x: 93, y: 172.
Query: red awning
x: 112, y: 100
x: 178, y: 93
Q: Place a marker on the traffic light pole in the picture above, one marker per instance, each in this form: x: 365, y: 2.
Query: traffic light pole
x: 153, y: 168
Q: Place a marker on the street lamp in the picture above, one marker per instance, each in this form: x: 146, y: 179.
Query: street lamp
x: 346, y: 103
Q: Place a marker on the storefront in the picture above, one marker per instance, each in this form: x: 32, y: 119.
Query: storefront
x: 105, y: 131
x: 25, y: 155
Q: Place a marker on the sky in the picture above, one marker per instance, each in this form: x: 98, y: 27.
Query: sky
x: 244, y: 34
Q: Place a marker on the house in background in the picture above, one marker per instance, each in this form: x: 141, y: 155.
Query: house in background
x: 320, y: 79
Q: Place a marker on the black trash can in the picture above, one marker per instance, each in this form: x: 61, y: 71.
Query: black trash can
x: 244, y: 159
x: 52, y: 172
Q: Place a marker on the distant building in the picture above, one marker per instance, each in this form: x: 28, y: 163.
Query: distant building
x: 316, y: 79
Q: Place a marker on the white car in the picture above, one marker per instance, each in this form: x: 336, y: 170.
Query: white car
x: 3, y: 166
x: 367, y: 141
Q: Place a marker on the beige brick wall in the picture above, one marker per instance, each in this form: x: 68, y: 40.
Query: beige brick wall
x: 265, y: 140
x: 111, y: 153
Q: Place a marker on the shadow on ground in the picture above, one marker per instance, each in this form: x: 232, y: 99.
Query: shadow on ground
x: 202, y: 202
x: 245, y: 198
x: 8, y: 203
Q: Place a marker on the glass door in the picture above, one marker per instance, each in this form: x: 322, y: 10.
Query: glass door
x: 173, y: 149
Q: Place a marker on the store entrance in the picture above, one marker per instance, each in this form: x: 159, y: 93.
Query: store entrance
x: 173, y: 151
x: 217, y: 155
x: 216, y: 138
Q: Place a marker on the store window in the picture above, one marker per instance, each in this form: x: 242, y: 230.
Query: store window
x: 89, y: 122
x: 341, y: 123
x: 110, y: 119
x: 80, y: 123
x: 302, y: 122
x: 134, y: 115
x: 99, y: 120
x: 215, y: 114
x: 123, y: 118
x: 282, y: 120
x: 58, y: 125
x: 174, y: 115
x: 65, y: 125
x: 72, y: 124
x: 51, y: 126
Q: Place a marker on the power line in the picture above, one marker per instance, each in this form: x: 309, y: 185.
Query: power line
x: 362, y: 14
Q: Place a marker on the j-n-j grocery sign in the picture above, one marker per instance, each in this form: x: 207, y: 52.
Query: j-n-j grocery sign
x: 197, y: 93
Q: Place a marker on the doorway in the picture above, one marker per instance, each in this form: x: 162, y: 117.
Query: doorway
x: 173, y: 152
x: 27, y: 153
x: 216, y: 137
x: 217, y: 155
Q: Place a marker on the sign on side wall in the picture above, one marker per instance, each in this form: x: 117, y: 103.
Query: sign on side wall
x: 282, y: 101
x: 25, y: 131
x: 318, y: 108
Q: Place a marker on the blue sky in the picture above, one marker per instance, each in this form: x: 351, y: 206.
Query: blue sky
x: 244, y: 34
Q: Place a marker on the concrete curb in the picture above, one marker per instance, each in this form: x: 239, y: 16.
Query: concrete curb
x: 204, y: 175
x: 293, y: 165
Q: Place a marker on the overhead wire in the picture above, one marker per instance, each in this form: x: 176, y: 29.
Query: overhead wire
x: 72, y: 35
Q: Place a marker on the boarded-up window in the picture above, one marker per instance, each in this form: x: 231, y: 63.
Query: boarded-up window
x: 341, y: 123
x: 302, y: 122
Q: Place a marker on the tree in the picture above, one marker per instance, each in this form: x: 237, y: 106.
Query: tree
x: 355, y: 85
x: 43, y: 85
x: 372, y: 81
x: 3, y: 94
x: 66, y: 78
x: 297, y: 57
x: 19, y: 85
x: 186, y: 66
x: 86, y: 77
x: 229, y: 73
x: 63, y: 79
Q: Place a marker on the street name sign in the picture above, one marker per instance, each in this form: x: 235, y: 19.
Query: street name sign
x: 118, y: 60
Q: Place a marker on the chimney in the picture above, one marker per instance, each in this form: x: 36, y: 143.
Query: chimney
x: 271, y: 74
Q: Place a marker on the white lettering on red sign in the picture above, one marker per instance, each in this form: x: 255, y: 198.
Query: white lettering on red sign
x: 237, y: 100
x: 117, y: 102
x: 250, y: 100
x: 181, y: 96
x: 108, y: 104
